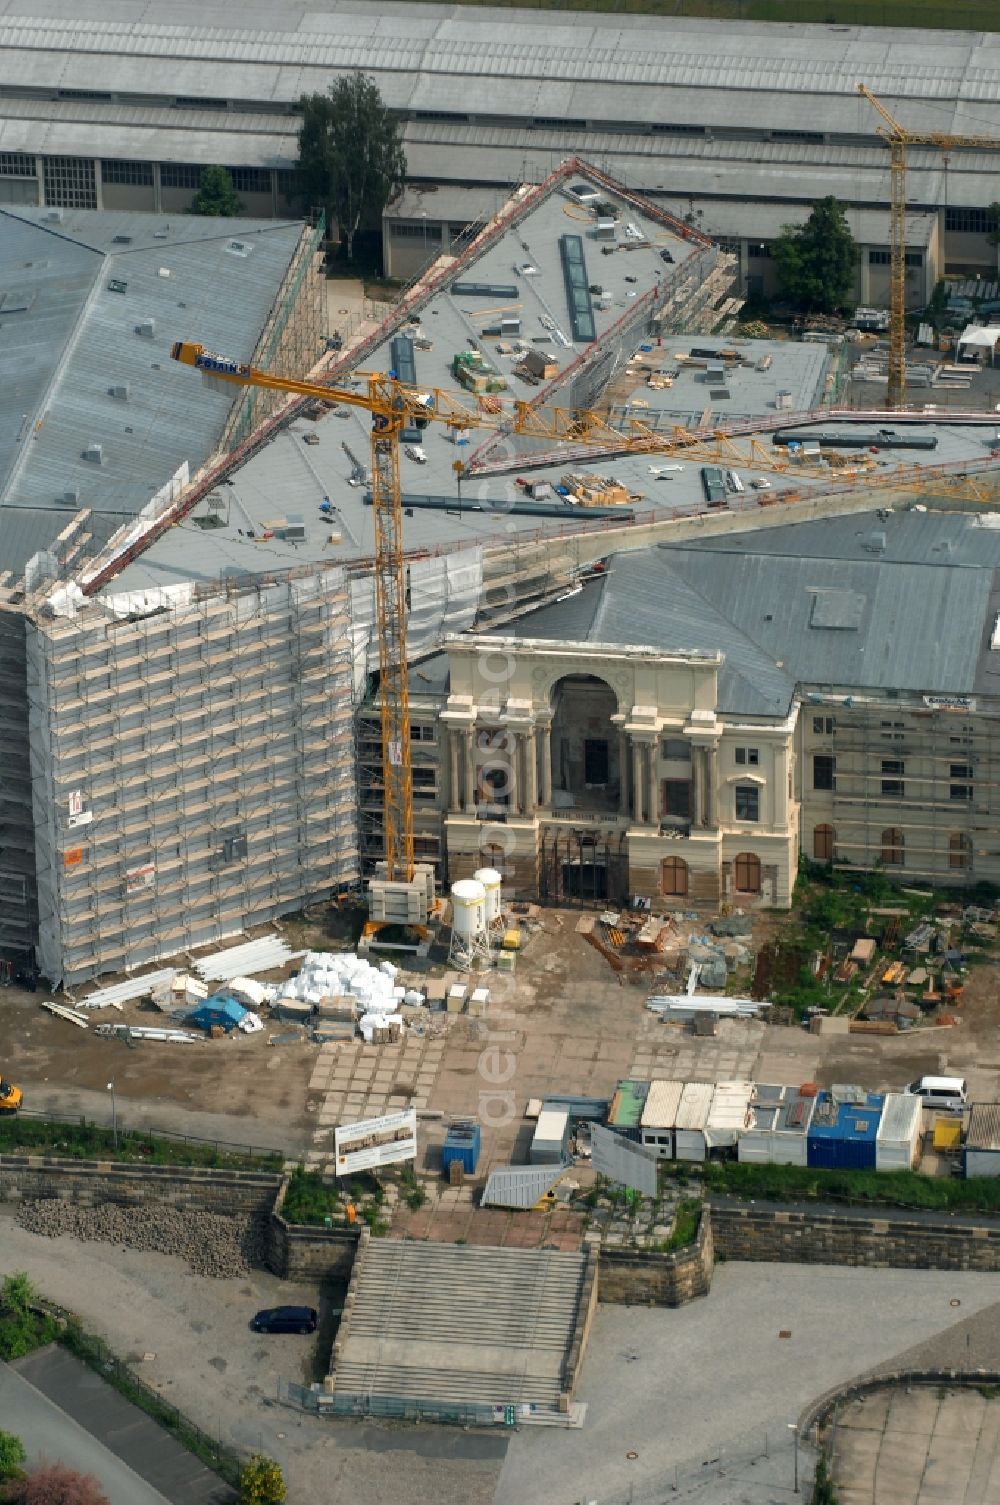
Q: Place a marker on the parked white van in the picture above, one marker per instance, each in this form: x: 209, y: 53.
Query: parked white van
x: 948, y: 1092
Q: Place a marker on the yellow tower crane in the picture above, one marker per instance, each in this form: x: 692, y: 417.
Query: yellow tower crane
x: 899, y: 139
x: 394, y: 406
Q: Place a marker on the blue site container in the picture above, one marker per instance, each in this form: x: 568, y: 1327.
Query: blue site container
x: 842, y: 1135
x: 462, y: 1143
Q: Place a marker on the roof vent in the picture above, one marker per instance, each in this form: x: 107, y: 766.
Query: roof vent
x: 94, y: 453
x: 239, y: 248
x: 121, y: 240
x: 146, y: 327
x: 55, y: 216
x: 294, y: 533
x: 120, y: 391
x: 161, y: 234
x: 116, y: 285
x: 874, y: 543
x: 163, y: 272
x: 838, y: 609
x: 69, y: 498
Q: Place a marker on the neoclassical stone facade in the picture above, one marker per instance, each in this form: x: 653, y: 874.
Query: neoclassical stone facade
x: 594, y: 771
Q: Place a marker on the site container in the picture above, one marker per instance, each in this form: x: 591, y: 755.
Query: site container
x: 692, y: 1119
x: 548, y: 1147
x: 659, y: 1117
x: 778, y: 1126
x: 462, y: 1143
x: 897, y: 1145
x: 842, y: 1135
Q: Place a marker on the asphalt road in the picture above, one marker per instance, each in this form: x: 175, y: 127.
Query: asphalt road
x: 709, y: 1390
x: 132, y: 1436
x: 49, y: 1434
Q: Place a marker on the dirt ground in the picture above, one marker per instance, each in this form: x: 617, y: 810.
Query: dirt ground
x: 564, y: 1021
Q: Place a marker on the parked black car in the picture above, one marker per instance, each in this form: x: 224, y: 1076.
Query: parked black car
x: 285, y: 1319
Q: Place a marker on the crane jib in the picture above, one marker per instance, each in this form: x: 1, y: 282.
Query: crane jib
x: 206, y: 361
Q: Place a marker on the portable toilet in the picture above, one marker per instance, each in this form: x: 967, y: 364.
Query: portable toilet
x: 462, y: 1142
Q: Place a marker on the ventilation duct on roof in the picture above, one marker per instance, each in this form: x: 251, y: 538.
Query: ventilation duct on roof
x: 120, y: 391
x: 146, y: 327
x: 70, y: 498
x: 874, y: 543
x: 94, y: 454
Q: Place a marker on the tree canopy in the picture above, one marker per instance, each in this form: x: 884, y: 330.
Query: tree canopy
x: 816, y: 261
x: 216, y: 194
x: 54, y: 1484
x: 351, y: 160
x: 261, y: 1482
x: 12, y: 1455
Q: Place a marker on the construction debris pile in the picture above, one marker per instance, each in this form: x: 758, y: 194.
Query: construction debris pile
x: 342, y: 986
x: 210, y: 1243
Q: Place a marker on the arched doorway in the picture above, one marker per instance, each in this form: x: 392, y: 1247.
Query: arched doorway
x: 824, y: 840
x: 746, y: 873
x: 586, y: 745
x: 674, y: 877
x: 893, y: 847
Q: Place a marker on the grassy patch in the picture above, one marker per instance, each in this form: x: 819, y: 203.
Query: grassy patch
x: 23, y: 1327
x: 686, y: 1221
x: 309, y: 1200
x: 908, y: 1189
x: 88, y: 1142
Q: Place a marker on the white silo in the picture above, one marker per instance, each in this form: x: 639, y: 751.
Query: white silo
x: 491, y: 881
x: 470, y: 942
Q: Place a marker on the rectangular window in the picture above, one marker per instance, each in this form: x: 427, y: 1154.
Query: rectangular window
x: 251, y: 179
x: 815, y: 136
x: 402, y: 229
x: 969, y: 221
x: 135, y: 173
x: 748, y: 757
x: 16, y: 165
x: 961, y: 791
x: 756, y: 249
x: 180, y: 175
x: 824, y: 726
x: 677, y: 798
x: 892, y: 778
x: 878, y: 258
x: 70, y: 182
x: 676, y: 750
x: 747, y: 802
x: 893, y: 730
x: 421, y: 731
x: 824, y: 772
x: 595, y: 761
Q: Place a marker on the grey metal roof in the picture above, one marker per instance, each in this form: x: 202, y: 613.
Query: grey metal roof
x: 639, y: 603
x: 76, y: 339
x: 959, y: 539
x: 984, y: 1127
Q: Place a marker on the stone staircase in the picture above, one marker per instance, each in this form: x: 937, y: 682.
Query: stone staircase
x: 449, y: 1324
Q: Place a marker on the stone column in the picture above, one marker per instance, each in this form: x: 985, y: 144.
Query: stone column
x: 530, y: 771
x: 515, y: 763
x: 454, y: 763
x: 546, y: 795
x: 652, y: 791
x: 622, y: 773
x: 712, y: 786
x: 469, y: 802
x: 697, y: 783
x: 638, y: 792
x: 779, y: 785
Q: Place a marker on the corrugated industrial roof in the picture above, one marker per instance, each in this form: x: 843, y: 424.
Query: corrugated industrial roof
x: 901, y: 1117
x: 75, y: 373
x: 694, y: 1105
x: 660, y: 1110
x: 984, y: 1127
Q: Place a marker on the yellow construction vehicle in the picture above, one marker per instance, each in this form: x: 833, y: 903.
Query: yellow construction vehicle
x: 11, y: 1096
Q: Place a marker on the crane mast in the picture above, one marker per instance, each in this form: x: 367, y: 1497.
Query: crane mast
x: 899, y: 139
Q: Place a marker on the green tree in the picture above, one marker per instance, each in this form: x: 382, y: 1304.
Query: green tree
x: 816, y: 260
x: 261, y: 1482
x: 12, y: 1455
x: 17, y: 1294
x: 216, y: 194
x: 351, y: 160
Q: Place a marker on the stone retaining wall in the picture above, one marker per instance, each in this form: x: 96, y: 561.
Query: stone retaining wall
x: 25, y: 1178
x: 641, y: 1277
x: 802, y: 1236
x: 297, y: 1251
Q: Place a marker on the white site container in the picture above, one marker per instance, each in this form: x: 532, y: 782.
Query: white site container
x: 778, y: 1127
x: 659, y: 1117
x: 692, y: 1120
x: 729, y: 1115
x: 897, y: 1144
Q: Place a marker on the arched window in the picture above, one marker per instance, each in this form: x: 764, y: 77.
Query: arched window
x: 893, y: 847
x: 959, y: 850
x: 824, y: 839
x: 746, y: 873
x: 674, y: 877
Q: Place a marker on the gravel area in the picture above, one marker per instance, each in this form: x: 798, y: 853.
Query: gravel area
x: 205, y: 1359
x: 209, y: 1243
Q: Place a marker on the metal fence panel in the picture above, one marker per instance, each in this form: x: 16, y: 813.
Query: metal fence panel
x: 622, y: 1161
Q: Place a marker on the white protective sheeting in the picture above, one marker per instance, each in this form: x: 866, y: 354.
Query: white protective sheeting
x: 444, y: 596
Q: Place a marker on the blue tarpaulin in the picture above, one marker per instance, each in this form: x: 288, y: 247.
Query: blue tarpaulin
x: 218, y: 1009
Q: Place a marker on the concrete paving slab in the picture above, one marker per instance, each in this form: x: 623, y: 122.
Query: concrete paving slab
x: 960, y: 1416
